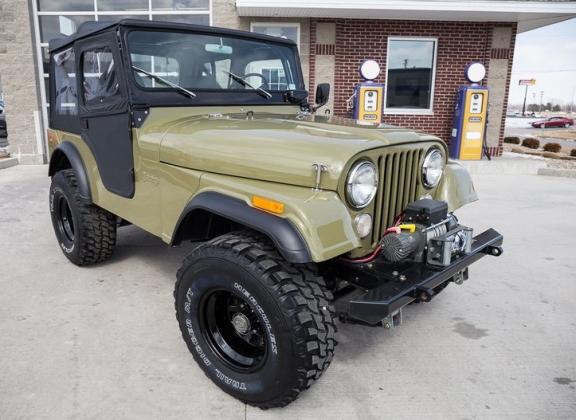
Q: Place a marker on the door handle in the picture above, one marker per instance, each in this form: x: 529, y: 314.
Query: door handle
x: 85, y: 123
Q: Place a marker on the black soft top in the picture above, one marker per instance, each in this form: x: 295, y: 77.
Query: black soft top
x: 91, y: 28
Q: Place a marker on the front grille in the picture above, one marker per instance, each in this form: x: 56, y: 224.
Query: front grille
x: 398, y: 186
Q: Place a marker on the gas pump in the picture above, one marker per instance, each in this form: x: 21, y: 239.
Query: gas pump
x: 470, y: 115
x: 368, y: 97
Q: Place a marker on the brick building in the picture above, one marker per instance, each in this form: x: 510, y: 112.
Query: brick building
x: 422, y: 47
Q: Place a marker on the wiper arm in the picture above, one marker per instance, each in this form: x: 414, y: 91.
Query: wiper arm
x: 166, y: 82
x: 244, y: 83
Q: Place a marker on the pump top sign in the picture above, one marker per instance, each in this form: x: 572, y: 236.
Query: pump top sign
x: 527, y: 82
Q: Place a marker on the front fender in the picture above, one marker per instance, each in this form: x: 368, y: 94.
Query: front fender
x: 286, y: 238
x: 456, y: 187
x: 319, y: 217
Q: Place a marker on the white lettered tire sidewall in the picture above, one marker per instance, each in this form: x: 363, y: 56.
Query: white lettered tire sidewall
x: 275, y: 374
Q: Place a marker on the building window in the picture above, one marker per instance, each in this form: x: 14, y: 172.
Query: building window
x: 59, y: 26
x: 168, y: 5
x: 202, y: 19
x: 66, y: 5
x: 123, y: 5
x: 410, y: 75
x: 289, y: 30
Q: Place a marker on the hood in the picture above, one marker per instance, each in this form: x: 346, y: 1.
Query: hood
x: 276, y: 148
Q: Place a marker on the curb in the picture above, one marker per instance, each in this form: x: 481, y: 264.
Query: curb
x: 504, y: 166
x: 8, y: 162
x: 564, y: 173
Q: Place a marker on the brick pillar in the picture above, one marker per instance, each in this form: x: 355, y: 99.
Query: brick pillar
x: 500, y: 69
x: 224, y: 15
x: 17, y: 69
x: 323, y: 65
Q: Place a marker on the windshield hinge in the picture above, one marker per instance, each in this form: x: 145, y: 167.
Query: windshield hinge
x: 139, y: 116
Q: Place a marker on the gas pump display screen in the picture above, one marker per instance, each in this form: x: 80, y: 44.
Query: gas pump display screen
x: 476, y: 103
x: 370, y: 100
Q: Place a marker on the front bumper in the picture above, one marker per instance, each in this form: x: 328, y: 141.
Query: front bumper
x: 380, y: 288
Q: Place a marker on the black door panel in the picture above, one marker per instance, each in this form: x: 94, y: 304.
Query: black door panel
x: 104, y: 114
x: 108, y: 137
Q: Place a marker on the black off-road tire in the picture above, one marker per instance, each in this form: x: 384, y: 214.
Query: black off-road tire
x: 292, y: 305
x: 85, y: 232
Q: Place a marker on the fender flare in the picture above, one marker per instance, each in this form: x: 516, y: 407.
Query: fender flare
x: 286, y: 237
x: 69, y: 151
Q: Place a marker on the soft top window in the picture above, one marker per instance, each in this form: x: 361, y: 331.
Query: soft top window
x: 99, y: 79
x: 65, y: 97
x: 205, y: 62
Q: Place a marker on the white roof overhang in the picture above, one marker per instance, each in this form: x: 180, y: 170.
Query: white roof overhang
x: 528, y: 14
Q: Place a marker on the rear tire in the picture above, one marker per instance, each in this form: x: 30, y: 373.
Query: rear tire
x: 260, y: 328
x: 86, y: 233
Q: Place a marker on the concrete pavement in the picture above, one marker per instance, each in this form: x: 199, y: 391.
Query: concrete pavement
x: 102, y: 342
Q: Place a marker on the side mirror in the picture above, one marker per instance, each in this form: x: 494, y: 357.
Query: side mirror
x: 322, y: 95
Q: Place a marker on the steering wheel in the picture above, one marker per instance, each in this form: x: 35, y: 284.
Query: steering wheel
x: 265, y: 81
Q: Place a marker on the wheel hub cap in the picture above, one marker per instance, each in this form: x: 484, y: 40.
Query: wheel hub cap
x: 241, y: 323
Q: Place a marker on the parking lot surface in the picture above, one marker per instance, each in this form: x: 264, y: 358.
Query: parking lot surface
x: 102, y: 342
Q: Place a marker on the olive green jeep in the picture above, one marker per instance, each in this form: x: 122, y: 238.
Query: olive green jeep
x: 205, y: 134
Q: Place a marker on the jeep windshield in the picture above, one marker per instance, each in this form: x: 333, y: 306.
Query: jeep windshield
x: 214, y: 64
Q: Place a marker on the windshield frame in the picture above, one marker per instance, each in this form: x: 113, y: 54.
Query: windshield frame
x: 169, y: 96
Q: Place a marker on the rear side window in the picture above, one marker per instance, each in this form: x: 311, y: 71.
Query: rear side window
x: 66, y: 97
x: 99, y: 77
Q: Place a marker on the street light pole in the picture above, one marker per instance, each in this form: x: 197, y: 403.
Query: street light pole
x: 524, y: 105
x: 541, y: 98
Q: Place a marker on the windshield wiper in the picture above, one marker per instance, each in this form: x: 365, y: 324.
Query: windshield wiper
x: 166, y: 82
x: 244, y: 83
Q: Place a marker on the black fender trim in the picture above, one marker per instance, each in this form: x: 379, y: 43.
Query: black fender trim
x: 70, y: 151
x: 282, y: 232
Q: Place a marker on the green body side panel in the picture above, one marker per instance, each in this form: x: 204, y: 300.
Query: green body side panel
x: 269, y: 151
x: 144, y: 208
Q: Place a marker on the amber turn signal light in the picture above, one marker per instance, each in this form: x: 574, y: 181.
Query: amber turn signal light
x: 267, y: 204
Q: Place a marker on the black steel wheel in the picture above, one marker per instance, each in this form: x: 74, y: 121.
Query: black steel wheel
x: 233, y: 330
x: 260, y: 328
x: 86, y: 233
x: 64, y: 219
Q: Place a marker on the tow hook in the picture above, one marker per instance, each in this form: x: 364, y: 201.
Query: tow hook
x: 495, y: 251
x: 459, y: 278
x: 394, y: 320
x: 424, y: 294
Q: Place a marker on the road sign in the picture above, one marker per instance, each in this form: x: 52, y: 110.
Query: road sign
x: 527, y: 82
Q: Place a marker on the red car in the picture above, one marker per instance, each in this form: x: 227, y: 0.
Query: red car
x: 553, y: 122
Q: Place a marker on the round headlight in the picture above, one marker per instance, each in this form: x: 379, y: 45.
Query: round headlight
x: 432, y: 168
x: 361, y: 184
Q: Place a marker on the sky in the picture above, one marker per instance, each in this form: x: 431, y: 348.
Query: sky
x: 548, y: 55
